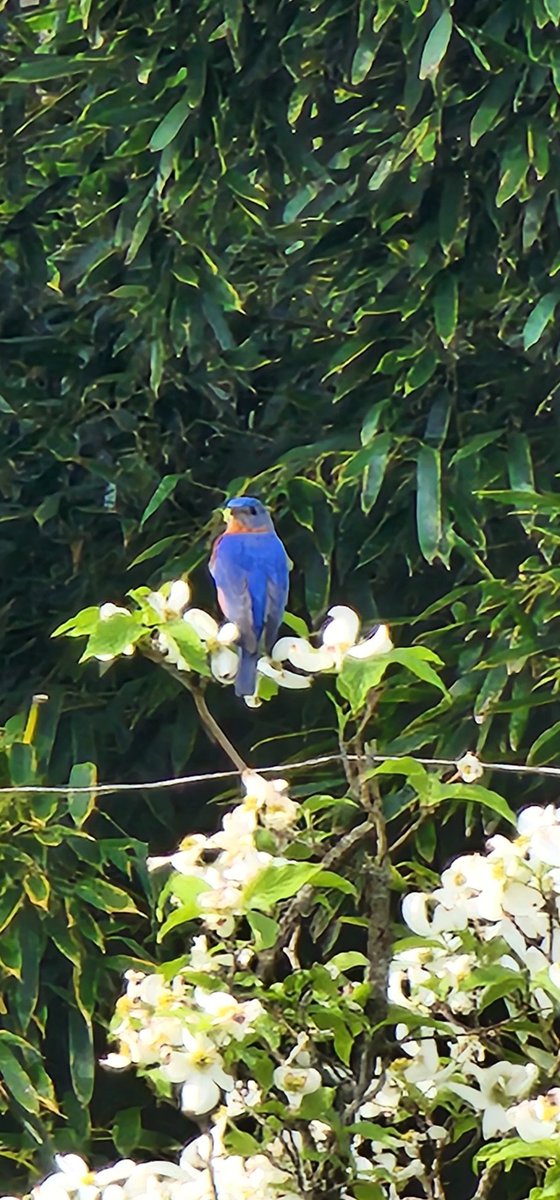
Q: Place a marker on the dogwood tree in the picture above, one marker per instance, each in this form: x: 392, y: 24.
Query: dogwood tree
x: 337, y: 1018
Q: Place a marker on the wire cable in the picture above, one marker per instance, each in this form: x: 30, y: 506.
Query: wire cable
x: 106, y: 789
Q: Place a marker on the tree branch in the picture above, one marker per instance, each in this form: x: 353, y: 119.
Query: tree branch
x: 213, y: 730
x: 296, y: 910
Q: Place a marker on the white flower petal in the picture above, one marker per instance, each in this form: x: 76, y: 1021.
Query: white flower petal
x: 283, y: 678
x: 200, y: 1095
x: 110, y: 610
x: 72, y: 1165
x: 228, y: 634
x: 179, y: 595
x: 202, y: 623
x: 115, y: 1062
x: 343, y: 627
x: 115, y: 1174
x: 224, y: 664
x: 378, y: 643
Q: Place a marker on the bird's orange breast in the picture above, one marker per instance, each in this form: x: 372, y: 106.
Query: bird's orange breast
x: 237, y: 526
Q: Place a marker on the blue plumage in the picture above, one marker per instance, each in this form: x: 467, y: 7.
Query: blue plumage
x: 250, y: 568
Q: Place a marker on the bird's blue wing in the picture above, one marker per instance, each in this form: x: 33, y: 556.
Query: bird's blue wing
x: 233, y: 588
x: 276, y: 598
x: 251, y: 576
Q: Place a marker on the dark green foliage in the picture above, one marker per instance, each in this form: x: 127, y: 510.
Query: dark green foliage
x: 255, y: 240
x: 314, y: 246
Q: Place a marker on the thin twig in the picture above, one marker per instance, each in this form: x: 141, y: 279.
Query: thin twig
x: 214, y: 731
x: 296, y: 909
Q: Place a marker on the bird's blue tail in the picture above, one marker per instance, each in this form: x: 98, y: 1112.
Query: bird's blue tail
x: 246, y: 678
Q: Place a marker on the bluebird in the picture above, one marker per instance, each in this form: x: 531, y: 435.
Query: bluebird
x: 250, y: 568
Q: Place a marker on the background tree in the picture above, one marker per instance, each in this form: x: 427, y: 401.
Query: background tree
x: 312, y: 248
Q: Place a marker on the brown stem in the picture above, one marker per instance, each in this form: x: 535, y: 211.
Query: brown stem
x: 213, y: 730
x: 486, y: 1182
x: 298, y: 906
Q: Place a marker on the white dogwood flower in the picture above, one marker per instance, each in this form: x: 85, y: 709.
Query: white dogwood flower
x: 469, y: 768
x: 199, y: 1067
x: 296, y: 1082
x: 538, y: 1118
x: 218, y: 641
x: 171, y: 600
x: 341, y: 633
x: 498, y: 1085
x: 268, y: 798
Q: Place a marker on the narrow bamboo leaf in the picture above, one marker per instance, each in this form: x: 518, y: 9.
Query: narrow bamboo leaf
x: 428, y: 502
x: 436, y: 46
x: 378, y: 456
x: 81, y: 1055
x: 165, y: 488
x: 16, y: 1081
x: 169, y: 127
x: 494, y: 99
x: 545, y: 748
x: 539, y: 318
x: 446, y: 306
x: 48, y: 66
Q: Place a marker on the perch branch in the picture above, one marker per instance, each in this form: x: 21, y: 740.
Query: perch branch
x: 213, y: 730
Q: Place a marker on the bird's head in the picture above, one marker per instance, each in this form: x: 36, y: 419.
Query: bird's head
x: 246, y: 514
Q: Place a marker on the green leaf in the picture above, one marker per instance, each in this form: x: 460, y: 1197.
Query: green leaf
x: 514, y: 167
x: 417, y: 660
x: 189, y: 644
x: 105, y: 896
x: 153, y: 551
x: 126, y: 1130
x: 331, y: 879
x: 164, y: 489
x: 169, y: 126
x: 187, y: 889
x: 428, y: 502
x: 278, y: 883
x: 414, y: 772
x: 509, y: 1150
x: 446, y: 306
x: 474, y: 445
x: 545, y: 748
x: 264, y: 928
x: 37, y: 889
x: 539, y: 318
x: 358, y: 676
x: 80, y: 805
x: 16, y: 1081
x: 436, y: 46
x: 22, y: 763
x: 495, y: 95
x: 473, y: 793
x: 378, y: 452
x: 85, y: 622
x: 81, y: 1055
x: 241, y: 186
x: 48, y: 66
x: 113, y: 635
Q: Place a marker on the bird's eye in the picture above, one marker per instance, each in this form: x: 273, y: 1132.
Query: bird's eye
x: 252, y: 510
